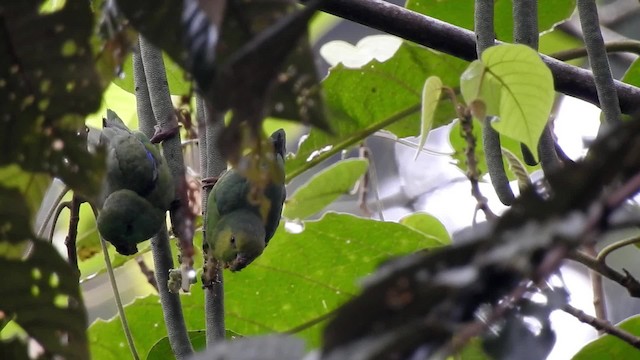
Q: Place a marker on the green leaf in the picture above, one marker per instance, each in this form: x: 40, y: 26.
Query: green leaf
x: 632, y: 75
x: 378, y: 95
x: 324, y: 188
x: 299, y: 278
x: 430, y: 97
x: 428, y: 225
x: 32, y: 186
x: 161, y: 350
x: 525, y: 95
x: 610, y: 347
x: 460, y: 13
x: 41, y: 290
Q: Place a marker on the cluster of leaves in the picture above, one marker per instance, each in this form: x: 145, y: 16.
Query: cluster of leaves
x: 312, y: 266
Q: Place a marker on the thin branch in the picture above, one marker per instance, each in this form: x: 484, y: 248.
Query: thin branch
x: 52, y: 211
x: 608, y: 98
x: 147, y: 272
x: 628, y: 46
x: 599, y: 301
x: 603, y: 326
x: 72, y: 235
x: 466, y: 124
x: 162, y: 258
x: 625, y: 280
x: 214, y: 165
x: 116, y: 294
x: 602, y: 255
x: 461, y: 43
x: 56, y: 214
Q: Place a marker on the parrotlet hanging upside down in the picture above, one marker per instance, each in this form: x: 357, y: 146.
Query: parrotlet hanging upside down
x: 238, y: 229
x: 138, y: 188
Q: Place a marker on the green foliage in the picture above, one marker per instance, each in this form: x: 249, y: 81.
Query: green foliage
x: 430, y: 97
x: 611, y: 347
x: 427, y: 225
x: 162, y: 349
x: 379, y: 95
x: 632, y: 75
x: 514, y: 84
x: 302, y: 276
x: 41, y: 291
x: 324, y: 188
x: 460, y: 13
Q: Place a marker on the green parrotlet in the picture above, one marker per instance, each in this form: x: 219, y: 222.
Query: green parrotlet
x: 138, y: 188
x: 238, y: 228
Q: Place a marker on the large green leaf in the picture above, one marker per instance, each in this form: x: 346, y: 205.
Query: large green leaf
x: 378, y: 95
x: 162, y: 349
x: 516, y: 86
x: 610, y: 347
x: 460, y: 13
x: 323, y: 188
x: 299, y: 278
x: 31, y: 185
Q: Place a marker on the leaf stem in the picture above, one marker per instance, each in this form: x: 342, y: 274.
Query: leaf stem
x: 116, y: 294
x: 353, y: 139
x: 602, y: 255
x: 605, y: 87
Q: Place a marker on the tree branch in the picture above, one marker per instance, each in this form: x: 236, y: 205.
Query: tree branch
x: 162, y: 258
x: 630, y: 46
x: 625, y: 280
x: 603, y: 326
x: 608, y: 98
x: 458, y: 42
x: 213, y: 166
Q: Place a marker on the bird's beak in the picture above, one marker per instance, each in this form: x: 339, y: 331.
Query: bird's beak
x: 239, y: 263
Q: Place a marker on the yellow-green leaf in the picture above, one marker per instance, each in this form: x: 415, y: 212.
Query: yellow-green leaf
x: 430, y: 95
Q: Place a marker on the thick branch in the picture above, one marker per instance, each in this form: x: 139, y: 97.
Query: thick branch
x: 598, y: 59
x: 460, y: 43
x: 162, y: 258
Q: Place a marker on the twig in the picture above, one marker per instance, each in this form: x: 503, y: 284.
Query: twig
x: 603, y: 326
x: 466, y: 124
x: 607, y: 96
x: 630, y: 46
x: 147, y: 272
x: 72, y: 235
x: 365, y: 181
x: 162, y: 258
x: 599, y: 301
x: 56, y: 214
x: 625, y: 280
x: 116, y: 294
x: 213, y: 123
x: 52, y: 211
x: 602, y: 255
x: 458, y: 42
